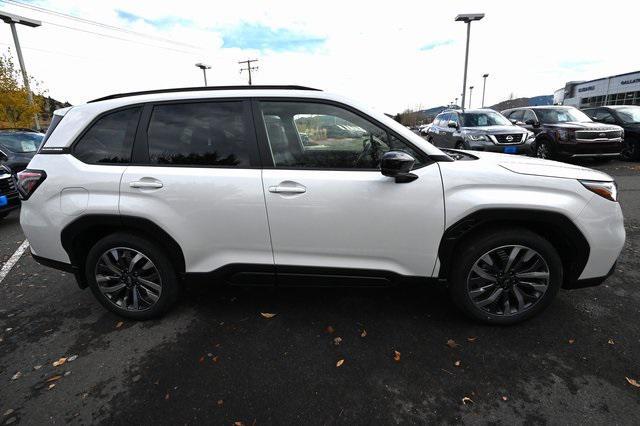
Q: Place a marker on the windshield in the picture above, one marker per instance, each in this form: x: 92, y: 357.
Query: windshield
x: 21, y: 142
x: 629, y: 114
x: 562, y: 115
x: 485, y: 118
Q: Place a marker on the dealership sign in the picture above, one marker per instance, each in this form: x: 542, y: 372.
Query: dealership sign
x: 635, y: 80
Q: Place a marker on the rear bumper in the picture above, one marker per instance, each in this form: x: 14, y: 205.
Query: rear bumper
x: 62, y: 266
x: 589, y: 282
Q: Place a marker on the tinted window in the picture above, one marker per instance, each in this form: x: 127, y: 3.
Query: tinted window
x: 21, y: 142
x: 110, y: 139
x: 529, y: 115
x: 320, y: 136
x: 202, y: 133
x: 602, y: 116
x: 561, y: 115
x: 480, y: 119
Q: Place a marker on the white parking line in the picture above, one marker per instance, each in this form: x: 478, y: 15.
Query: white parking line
x: 13, y: 260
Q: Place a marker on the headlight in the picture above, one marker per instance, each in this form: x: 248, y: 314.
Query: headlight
x: 477, y: 137
x: 608, y: 190
x: 530, y: 135
x: 563, y: 135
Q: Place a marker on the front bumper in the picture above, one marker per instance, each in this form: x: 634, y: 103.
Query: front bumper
x: 521, y: 148
x: 589, y: 149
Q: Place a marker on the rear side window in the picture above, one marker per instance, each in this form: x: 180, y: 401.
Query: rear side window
x: 201, y: 134
x: 110, y: 139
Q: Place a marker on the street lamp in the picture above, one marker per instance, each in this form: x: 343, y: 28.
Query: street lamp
x: 467, y: 18
x: 12, y: 20
x: 484, y: 86
x: 470, y: 93
x: 204, y: 68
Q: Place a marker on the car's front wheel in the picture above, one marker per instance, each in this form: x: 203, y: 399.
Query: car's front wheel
x: 631, y: 150
x: 542, y: 150
x: 506, y: 276
x: 131, y: 276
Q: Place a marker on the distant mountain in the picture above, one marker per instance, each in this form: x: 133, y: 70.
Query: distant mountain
x: 523, y: 102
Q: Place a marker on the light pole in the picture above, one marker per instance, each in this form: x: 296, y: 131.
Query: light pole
x: 12, y: 20
x: 467, y: 18
x: 470, y: 93
x: 484, y: 86
x: 204, y: 68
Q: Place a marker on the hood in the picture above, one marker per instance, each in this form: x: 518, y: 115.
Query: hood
x: 538, y: 167
x: 581, y: 126
x: 492, y: 130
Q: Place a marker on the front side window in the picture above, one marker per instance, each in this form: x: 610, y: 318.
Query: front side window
x: 629, y: 114
x: 516, y: 115
x: 321, y: 136
x: 603, y: 116
x: 110, y: 139
x: 529, y: 115
x: 200, y: 134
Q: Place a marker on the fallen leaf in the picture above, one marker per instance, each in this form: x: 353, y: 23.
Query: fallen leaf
x: 572, y: 341
x: 8, y: 412
x: 51, y: 386
x: 119, y: 324
x: 611, y: 342
x: 466, y: 400
x: 66, y: 373
x: 457, y: 363
x: 238, y: 423
x: 220, y: 402
x: 364, y: 333
x: 339, y: 363
x: 452, y: 343
x: 201, y: 359
x: 337, y: 340
x: 16, y: 376
x: 72, y: 358
x: 53, y: 379
x: 633, y: 382
x: 471, y: 339
x: 396, y: 356
x: 267, y: 315
x: 329, y: 329
x: 166, y: 396
x: 504, y: 398
x: 59, y: 362
x: 215, y: 358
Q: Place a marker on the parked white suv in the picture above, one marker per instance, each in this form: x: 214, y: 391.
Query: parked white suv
x: 137, y: 193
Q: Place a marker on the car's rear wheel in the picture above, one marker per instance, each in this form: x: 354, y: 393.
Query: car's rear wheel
x: 505, y: 277
x: 131, y: 276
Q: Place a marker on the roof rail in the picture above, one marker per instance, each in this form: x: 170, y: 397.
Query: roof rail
x: 198, y: 89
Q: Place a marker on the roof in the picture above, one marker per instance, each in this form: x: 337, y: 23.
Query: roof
x: 540, y: 107
x: 461, y: 111
x: 202, y: 89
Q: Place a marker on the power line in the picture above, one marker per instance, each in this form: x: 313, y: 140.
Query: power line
x: 96, y: 23
x: 248, y: 68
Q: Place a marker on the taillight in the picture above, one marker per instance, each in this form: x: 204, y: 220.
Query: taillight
x: 28, y: 181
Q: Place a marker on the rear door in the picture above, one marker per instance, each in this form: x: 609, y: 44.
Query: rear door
x: 329, y: 207
x: 197, y: 176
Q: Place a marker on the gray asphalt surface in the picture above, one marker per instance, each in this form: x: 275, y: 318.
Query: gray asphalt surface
x: 216, y: 360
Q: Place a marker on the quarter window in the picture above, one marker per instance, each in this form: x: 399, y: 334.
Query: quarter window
x: 110, y: 139
x: 321, y: 136
x: 200, y: 134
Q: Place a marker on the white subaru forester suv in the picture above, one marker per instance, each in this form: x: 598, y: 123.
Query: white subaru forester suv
x: 138, y: 193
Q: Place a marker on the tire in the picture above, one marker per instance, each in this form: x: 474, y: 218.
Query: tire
x: 151, y: 277
x: 460, y: 145
x: 465, y: 285
x: 542, y: 150
x: 631, y: 151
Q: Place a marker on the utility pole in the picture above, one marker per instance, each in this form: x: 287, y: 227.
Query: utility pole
x: 204, y: 68
x: 470, y: 93
x: 12, y: 20
x: 249, y: 68
x: 467, y: 18
x: 484, y: 86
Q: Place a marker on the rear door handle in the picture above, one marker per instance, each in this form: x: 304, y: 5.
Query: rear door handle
x: 145, y: 184
x: 288, y: 188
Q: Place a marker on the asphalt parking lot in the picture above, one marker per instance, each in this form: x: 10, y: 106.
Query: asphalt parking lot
x: 353, y: 356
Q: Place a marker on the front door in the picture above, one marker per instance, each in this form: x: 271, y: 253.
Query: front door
x: 330, y: 209
x: 198, y: 177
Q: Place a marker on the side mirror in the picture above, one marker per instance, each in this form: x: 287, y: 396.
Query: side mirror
x: 398, y: 164
x: 452, y: 124
x: 513, y: 121
x: 530, y: 122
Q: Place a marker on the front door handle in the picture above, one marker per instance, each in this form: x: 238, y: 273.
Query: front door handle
x: 288, y: 188
x: 145, y: 184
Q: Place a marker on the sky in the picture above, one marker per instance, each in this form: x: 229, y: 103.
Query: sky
x: 389, y: 55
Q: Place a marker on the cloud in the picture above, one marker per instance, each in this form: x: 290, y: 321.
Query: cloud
x: 260, y: 37
x: 164, y: 22
x: 577, y: 65
x: 433, y: 45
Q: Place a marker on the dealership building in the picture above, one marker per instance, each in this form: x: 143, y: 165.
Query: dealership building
x: 622, y: 89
